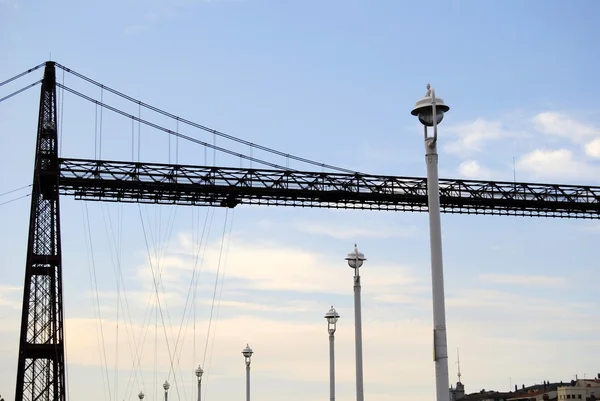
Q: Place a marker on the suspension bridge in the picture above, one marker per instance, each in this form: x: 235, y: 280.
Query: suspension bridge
x: 41, y: 357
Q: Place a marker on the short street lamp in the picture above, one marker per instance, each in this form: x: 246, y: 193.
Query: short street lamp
x: 247, y: 352
x: 355, y: 260
x: 199, y: 373
x: 332, y: 318
x: 430, y: 111
x: 166, y: 386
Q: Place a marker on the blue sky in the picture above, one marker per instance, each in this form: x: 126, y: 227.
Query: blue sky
x: 335, y: 82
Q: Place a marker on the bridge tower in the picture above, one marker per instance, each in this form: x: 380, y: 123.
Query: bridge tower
x: 41, y: 363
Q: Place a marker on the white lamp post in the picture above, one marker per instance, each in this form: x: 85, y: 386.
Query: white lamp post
x: 199, y: 373
x: 247, y: 352
x: 430, y: 111
x: 355, y: 260
x: 332, y: 318
x: 166, y: 386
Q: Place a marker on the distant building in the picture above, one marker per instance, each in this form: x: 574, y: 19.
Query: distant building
x: 457, y: 393
x: 580, y: 390
x: 584, y: 390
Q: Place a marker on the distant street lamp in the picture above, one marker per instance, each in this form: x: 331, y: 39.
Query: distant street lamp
x: 430, y: 111
x: 166, y: 386
x: 199, y: 373
x: 141, y: 395
x: 355, y: 260
x: 332, y: 318
x: 247, y: 352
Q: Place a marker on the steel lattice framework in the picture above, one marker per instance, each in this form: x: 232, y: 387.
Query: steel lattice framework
x: 98, y: 180
x: 41, y: 363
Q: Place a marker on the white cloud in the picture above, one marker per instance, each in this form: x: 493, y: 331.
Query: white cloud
x: 524, y: 280
x: 559, y: 124
x: 345, y: 231
x: 592, y: 227
x: 556, y: 164
x: 10, y: 296
x: 473, y: 136
x: 473, y: 170
x: 547, y: 163
x: 563, y: 126
x: 135, y: 29
x: 592, y: 149
x: 270, y: 266
x: 288, y: 307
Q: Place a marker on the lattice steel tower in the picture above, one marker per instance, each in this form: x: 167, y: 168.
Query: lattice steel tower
x: 41, y: 366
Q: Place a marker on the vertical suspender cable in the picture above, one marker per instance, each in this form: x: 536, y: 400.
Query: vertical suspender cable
x: 212, y: 346
x: 101, y: 109
x: 96, y: 132
x: 132, y: 140
x: 139, y: 130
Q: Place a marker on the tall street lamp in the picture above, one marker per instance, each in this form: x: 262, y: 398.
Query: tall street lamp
x: 166, y: 386
x: 199, y: 373
x: 430, y: 111
x: 332, y: 318
x: 355, y: 260
x: 141, y: 395
x: 247, y: 352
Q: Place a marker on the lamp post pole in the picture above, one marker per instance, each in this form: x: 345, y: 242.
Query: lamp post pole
x: 355, y: 260
x: 430, y: 111
x: 166, y: 387
x: 332, y: 317
x: 199, y: 373
x: 247, y: 352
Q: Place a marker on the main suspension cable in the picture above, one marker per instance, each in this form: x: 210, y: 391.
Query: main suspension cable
x: 15, y: 190
x: 22, y: 74
x: 20, y: 91
x: 169, y: 131
x: 204, y: 128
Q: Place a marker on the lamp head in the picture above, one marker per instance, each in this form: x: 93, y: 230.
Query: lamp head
x: 355, y: 259
x: 332, y: 316
x: 424, y: 108
x: 166, y: 385
x: 141, y: 395
x: 247, y: 352
x: 199, y: 372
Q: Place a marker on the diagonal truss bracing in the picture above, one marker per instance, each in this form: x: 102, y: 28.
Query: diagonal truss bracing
x: 100, y: 180
x: 41, y: 360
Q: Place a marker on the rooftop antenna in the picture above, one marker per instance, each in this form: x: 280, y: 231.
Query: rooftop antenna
x: 514, y: 171
x: 458, y: 363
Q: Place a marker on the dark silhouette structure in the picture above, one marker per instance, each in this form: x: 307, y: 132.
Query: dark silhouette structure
x: 41, y: 361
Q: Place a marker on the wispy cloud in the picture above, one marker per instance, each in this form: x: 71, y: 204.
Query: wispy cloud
x: 14, y: 4
x: 9, y: 296
x: 351, y: 232
x: 524, y: 280
x: 145, y: 21
x: 563, y: 146
x: 562, y: 125
x: 595, y: 228
x: 473, y: 137
x: 557, y: 164
x: 474, y: 170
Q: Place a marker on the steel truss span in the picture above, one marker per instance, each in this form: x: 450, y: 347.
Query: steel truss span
x: 99, y: 180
